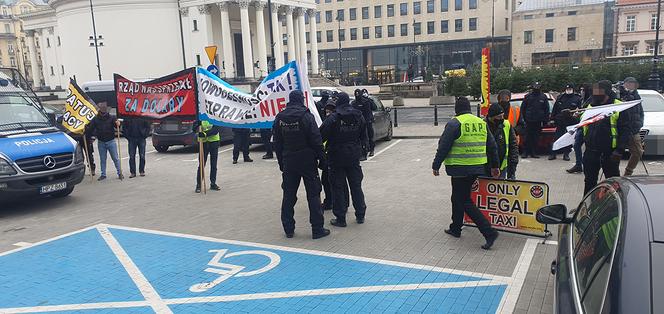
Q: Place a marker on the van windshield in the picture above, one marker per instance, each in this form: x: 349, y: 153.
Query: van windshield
x: 17, y: 112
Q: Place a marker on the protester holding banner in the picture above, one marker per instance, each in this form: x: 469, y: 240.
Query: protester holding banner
x: 503, y: 133
x: 345, y: 131
x: 136, y: 131
x: 466, y: 146
x: 241, y: 144
x: 104, y: 127
x: 210, y: 138
x: 605, y: 139
x: 299, y: 149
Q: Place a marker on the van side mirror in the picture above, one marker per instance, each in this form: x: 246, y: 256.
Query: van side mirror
x: 388, y: 109
x: 552, y: 215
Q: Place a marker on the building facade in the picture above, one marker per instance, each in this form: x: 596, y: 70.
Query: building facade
x: 144, y: 39
x: 561, y: 32
x: 378, y: 41
x: 636, y: 23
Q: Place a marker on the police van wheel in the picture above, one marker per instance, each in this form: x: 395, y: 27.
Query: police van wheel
x: 62, y: 193
x: 161, y: 148
x: 390, y: 132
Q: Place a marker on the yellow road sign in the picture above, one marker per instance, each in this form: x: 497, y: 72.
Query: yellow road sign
x: 211, y: 53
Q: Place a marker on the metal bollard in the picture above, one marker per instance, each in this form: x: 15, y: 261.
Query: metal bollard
x: 396, y: 120
x: 435, y: 115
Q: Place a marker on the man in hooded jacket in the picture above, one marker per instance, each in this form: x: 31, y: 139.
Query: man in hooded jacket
x: 366, y: 106
x: 299, y: 149
x: 346, y: 132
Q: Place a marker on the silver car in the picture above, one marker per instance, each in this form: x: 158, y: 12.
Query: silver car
x: 653, y: 126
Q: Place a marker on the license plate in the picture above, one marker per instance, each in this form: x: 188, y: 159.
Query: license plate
x: 170, y: 127
x: 53, y: 187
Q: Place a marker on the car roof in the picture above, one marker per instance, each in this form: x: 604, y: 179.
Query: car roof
x: 98, y: 86
x: 648, y: 92
x: 651, y: 187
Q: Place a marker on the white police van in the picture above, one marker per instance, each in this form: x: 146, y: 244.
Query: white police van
x: 36, y: 158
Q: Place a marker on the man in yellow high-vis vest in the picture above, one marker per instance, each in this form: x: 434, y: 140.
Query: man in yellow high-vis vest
x: 503, y: 133
x: 210, y: 138
x: 466, y: 147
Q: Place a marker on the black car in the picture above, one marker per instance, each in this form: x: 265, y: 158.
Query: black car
x: 176, y: 132
x: 611, y: 249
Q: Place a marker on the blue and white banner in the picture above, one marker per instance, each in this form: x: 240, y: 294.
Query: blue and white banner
x: 224, y: 105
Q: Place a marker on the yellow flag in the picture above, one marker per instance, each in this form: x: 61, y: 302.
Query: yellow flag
x: 79, y: 109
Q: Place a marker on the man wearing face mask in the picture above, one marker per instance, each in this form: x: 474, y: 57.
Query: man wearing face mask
x: 503, y: 133
x: 104, y: 127
x: 366, y: 106
x: 635, y: 114
x: 605, y: 140
x: 512, y: 114
x: 586, y: 93
x: 561, y: 114
x: 535, y: 110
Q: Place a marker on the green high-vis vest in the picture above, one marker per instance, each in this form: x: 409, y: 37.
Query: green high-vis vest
x: 207, y: 126
x: 470, y: 148
x: 614, y: 126
x: 506, y: 130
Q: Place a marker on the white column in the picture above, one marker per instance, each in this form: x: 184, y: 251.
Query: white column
x: 296, y: 36
x: 246, y: 39
x: 291, y: 33
x: 227, y: 66
x: 260, y: 33
x: 313, y: 39
x: 34, y: 67
x: 204, y: 11
x: 303, y: 35
x: 276, y: 36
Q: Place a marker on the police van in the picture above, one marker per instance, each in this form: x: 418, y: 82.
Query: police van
x: 36, y: 158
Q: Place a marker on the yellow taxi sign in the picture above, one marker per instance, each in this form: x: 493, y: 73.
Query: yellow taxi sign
x: 211, y: 52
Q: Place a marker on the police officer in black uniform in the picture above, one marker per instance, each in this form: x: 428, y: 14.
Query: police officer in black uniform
x: 345, y: 132
x: 299, y: 149
x: 324, y: 98
x: 562, y: 115
x: 535, y: 111
x: 366, y: 106
x: 241, y: 144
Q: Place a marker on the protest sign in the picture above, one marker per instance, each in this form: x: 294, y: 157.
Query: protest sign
x: 79, y: 109
x: 510, y: 205
x: 170, y: 96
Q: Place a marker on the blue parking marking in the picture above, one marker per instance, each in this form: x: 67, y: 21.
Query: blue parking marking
x: 99, y: 271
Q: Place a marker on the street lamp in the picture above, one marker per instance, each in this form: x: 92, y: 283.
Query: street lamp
x: 339, y: 18
x: 654, y: 76
x: 95, y: 39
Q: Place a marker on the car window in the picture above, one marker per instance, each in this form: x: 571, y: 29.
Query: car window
x: 652, y: 103
x: 586, y: 211
x: 595, y: 250
x: 379, y: 104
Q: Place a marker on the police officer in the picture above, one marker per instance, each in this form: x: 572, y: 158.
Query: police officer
x: 366, y: 106
x: 299, y: 149
x: 324, y: 98
x: 241, y: 144
x: 567, y: 101
x: 629, y: 92
x: 503, y: 133
x: 535, y: 111
x: 346, y: 132
x: 467, y: 147
x: 210, y: 138
x: 325, y: 176
x: 266, y: 138
x: 605, y: 140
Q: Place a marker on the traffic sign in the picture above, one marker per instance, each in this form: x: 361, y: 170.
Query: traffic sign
x: 211, y: 52
x: 213, y: 69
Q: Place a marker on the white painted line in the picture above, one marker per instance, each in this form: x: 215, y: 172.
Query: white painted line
x: 384, y: 149
x: 47, y: 240
x: 502, y: 279
x: 22, y: 244
x: 551, y: 242
x: 142, y: 283
x: 150, y: 152
x: 190, y: 160
x: 226, y: 150
x: 508, y: 302
x: 75, y: 307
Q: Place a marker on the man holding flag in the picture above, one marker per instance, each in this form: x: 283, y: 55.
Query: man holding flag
x: 79, y: 111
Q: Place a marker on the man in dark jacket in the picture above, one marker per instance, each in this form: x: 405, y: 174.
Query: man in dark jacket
x: 605, y: 140
x: 345, y: 132
x: 210, y: 138
x: 241, y: 144
x: 535, y: 111
x: 562, y: 115
x: 299, y: 149
x: 466, y: 147
x: 366, y: 106
x: 324, y: 98
x: 636, y: 116
x: 586, y: 94
x: 104, y: 126
x: 503, y: 133
x: 136, y: 131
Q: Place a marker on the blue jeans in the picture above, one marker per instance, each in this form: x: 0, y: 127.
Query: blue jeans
x: 134, y: 144
x: 112, y: 148
x: 578, y: 143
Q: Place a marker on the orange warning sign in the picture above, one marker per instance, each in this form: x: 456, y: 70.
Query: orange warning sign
x: 211, y: 53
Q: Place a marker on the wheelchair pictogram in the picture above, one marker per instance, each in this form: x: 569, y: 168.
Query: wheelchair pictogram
x: 226, y: 271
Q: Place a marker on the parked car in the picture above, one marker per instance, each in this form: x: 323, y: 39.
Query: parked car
x: 549, y: 130
x: 653, y: 126
x: 382, y: 125
x: 610, y: 255
x: 317, y: 91
x: 176, y: 132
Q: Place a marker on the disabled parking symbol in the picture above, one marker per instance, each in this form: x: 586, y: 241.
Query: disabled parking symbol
x: 226, y: 271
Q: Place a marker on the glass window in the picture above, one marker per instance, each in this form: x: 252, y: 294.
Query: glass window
x: 284, y: 38
x: 352, y: 14
x: 378, y: 32
x: 472, y: 4
x: 571, y: 13
x: 330, y: 36
x: 404, y: 29
x: 353, y: 34
x: 430, y: 27
x: 365, y: 13
x: 403, y: 8
x: 571, y: 33
x: 653, y: 22
x: 417, y: 28
x: 342, y: 35
x: 306, y: 19
x: 306, y: 35
x: 328, y: 16
x: 417, y: 7
x: 629, y: 50
x: 390, y: 30
x: 444, y: 26
x: 318, y: 36
x: 390, y: 10
x: 318, y: 17
x: 340, y: 15
x: 458, y: 25
x: 507, y: 24
x: 378, y: 11
x: 549, y: 36
x: 458, y: 5
x: 528, y: 17
x: 528, y: 37
x: 365, y: 33
x: 430, y: 6
x: 472, y: 24
x: 195, y: 25
x: 328, y: 1
x: 550, y: 14
x: 444, y: 5
x: 631, y: 23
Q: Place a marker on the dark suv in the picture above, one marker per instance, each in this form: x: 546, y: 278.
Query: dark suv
x: 172, y: 132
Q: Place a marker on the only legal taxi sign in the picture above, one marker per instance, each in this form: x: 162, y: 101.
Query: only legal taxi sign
x: 510, y: 205
x: 114, y: 269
